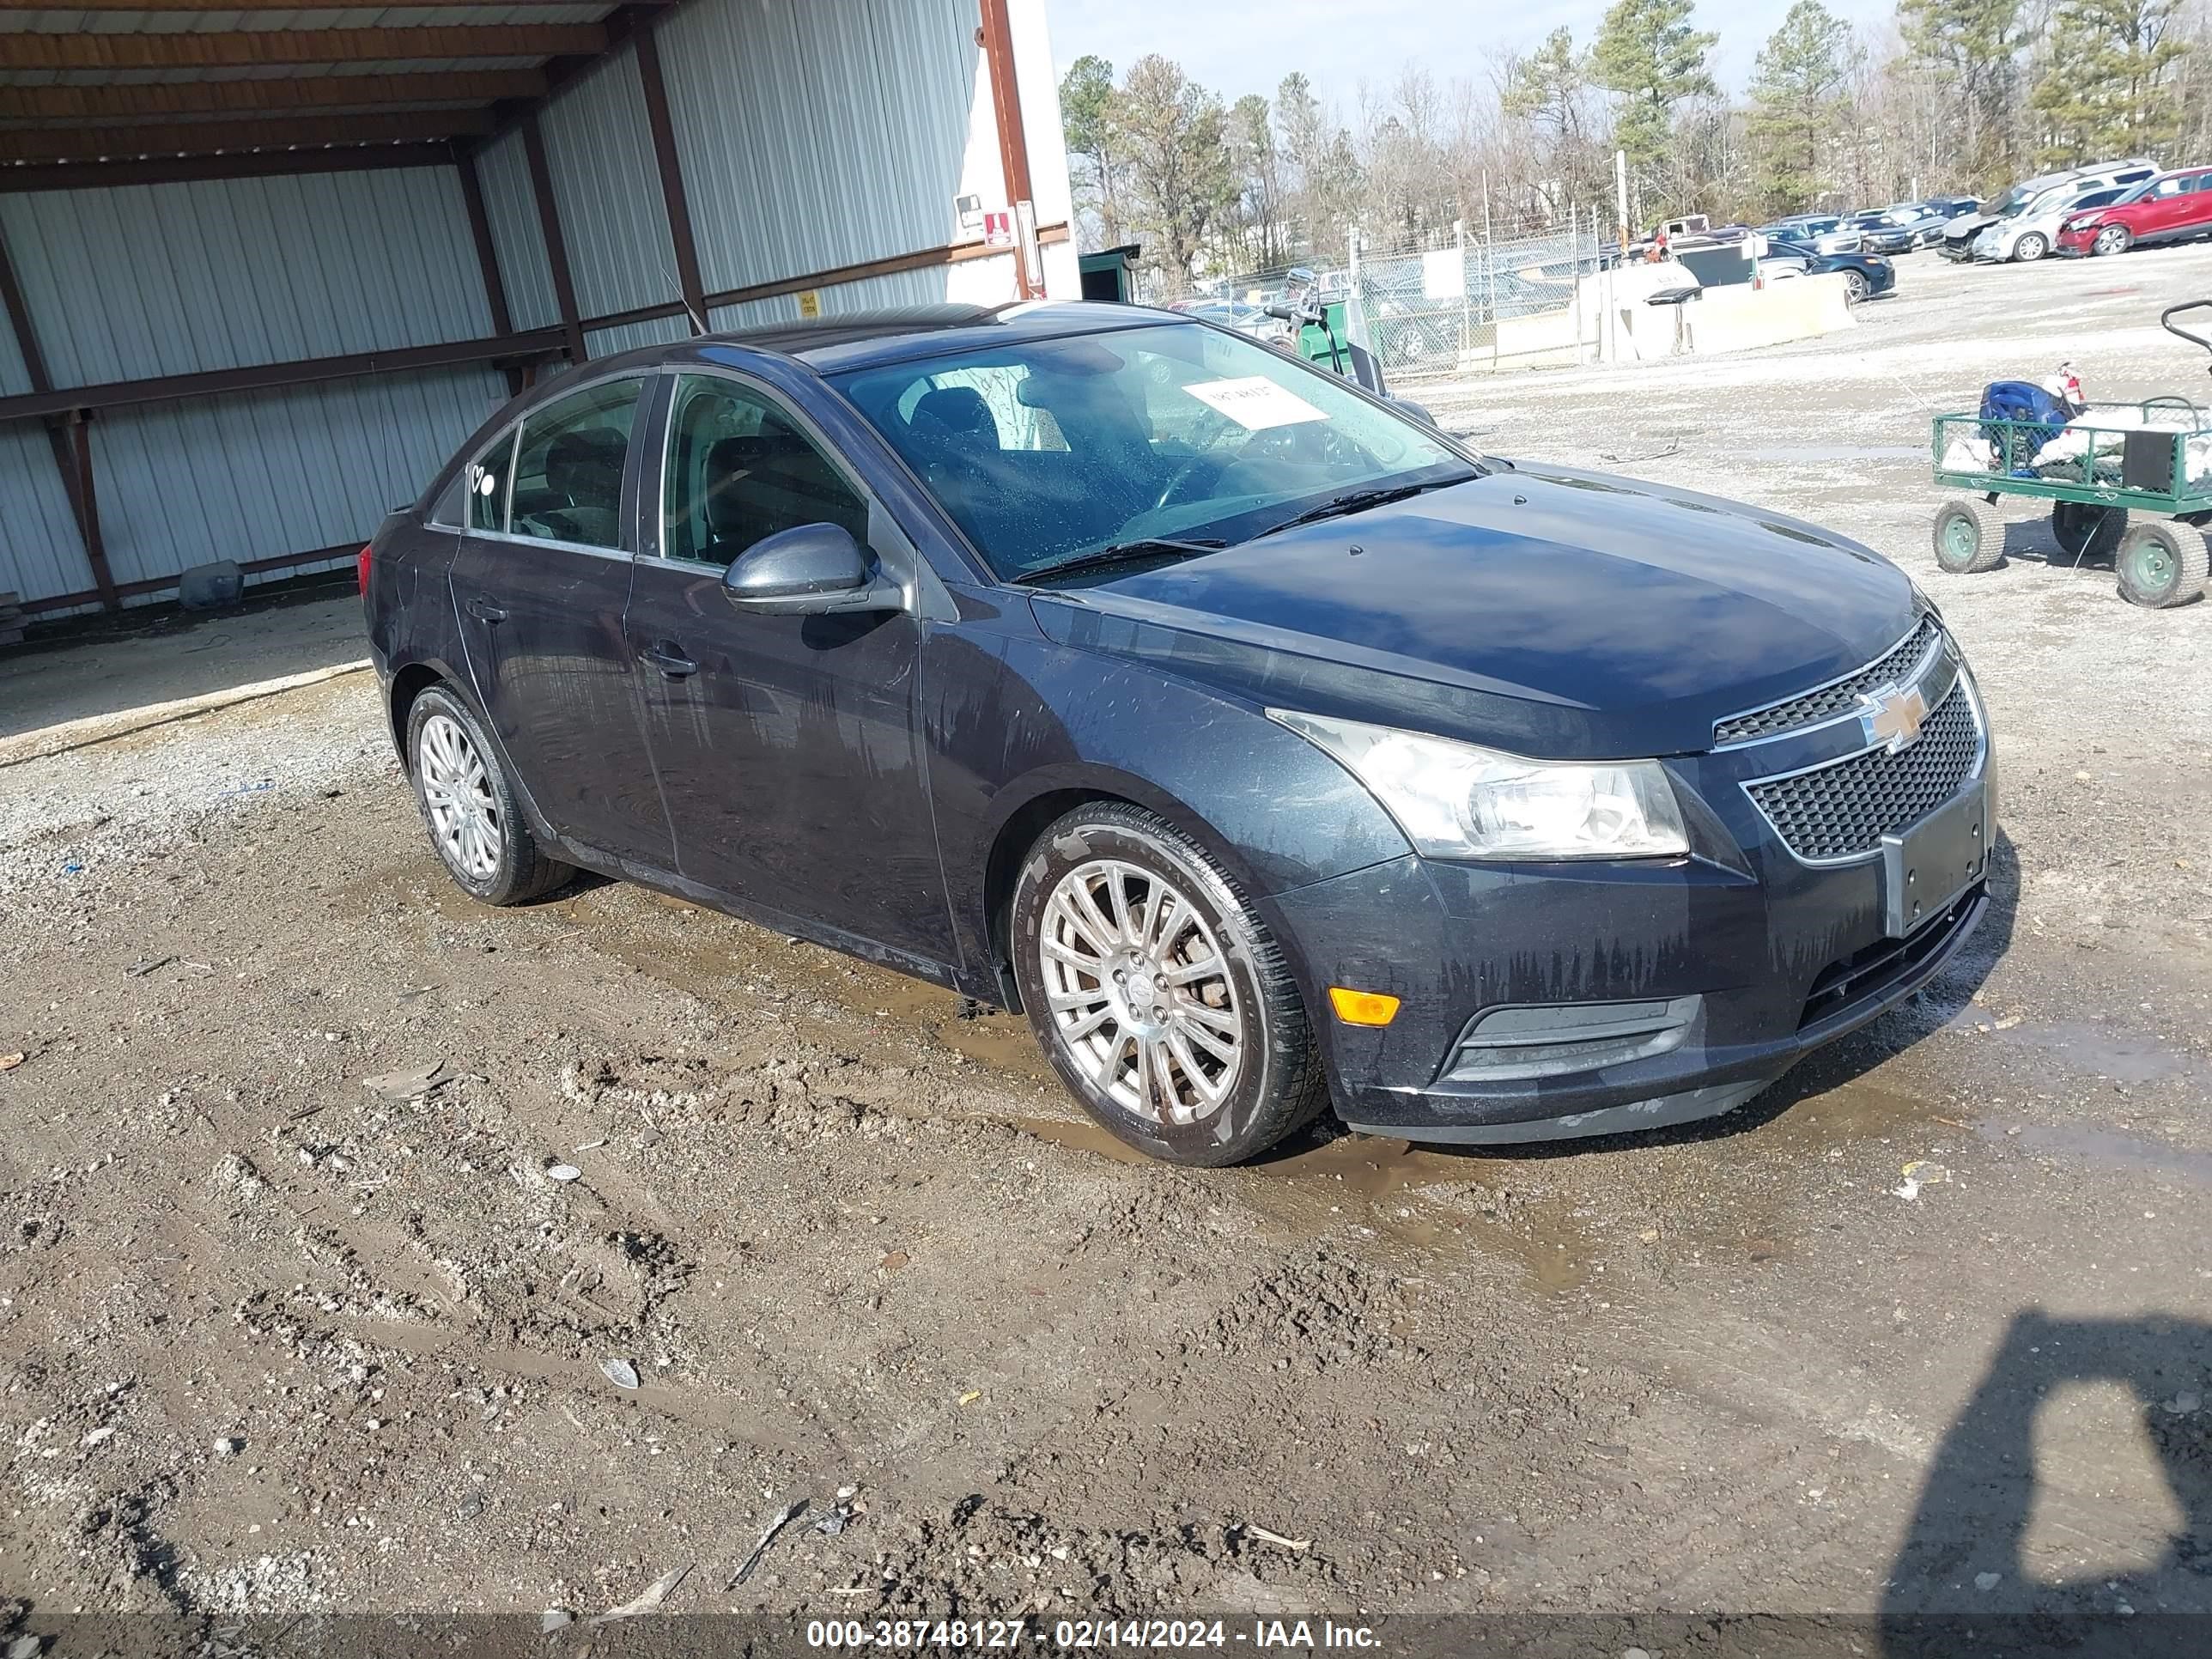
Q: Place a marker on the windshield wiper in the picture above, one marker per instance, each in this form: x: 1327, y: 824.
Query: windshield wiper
x: 1128, y: 552
x: 1359, y: 501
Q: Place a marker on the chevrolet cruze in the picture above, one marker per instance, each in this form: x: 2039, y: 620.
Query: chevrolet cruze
x: 1267, y: 749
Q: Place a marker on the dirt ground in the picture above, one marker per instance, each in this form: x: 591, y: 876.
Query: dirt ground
x: 297, y: 1316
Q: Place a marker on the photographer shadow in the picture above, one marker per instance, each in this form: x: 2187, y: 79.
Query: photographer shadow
x: 1963, y: 1582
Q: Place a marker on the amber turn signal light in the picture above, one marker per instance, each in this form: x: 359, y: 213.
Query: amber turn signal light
x: 1362, y: 1007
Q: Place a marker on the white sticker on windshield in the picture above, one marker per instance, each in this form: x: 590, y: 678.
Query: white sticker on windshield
x: 1255, y: 401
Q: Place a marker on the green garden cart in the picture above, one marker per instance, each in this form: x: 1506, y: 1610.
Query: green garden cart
x: 2095, y: 470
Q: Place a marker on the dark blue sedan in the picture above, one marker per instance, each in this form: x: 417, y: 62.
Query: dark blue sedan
x: 1264, y: 746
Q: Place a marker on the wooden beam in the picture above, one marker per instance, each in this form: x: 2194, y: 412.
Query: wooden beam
x: 242, y: 164
x: 557, y: 248
x: 191, y: 137
x: 166, y: 99
x: 260, y: 377
x: 997, y: 38
x: 76, y: 487
x: 23, y: 50
x: 671, y: 180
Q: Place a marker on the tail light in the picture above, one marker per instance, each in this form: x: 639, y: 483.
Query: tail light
x: 361, y: 570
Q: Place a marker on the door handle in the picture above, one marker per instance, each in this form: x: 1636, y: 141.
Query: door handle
x: 485, y: 612
x: 669, y: 661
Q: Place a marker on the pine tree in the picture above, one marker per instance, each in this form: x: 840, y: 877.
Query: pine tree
x: 2108, y: 86
x: 1086, y: 121
x: 1171, y: 135
x: 1797, y: 93
x: 1647, y: 53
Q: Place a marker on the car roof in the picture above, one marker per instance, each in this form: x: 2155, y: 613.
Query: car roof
x: 868, y: 339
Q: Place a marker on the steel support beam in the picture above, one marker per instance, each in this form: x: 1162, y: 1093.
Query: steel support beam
x: 245, y: 164
x: 272, y: 132
x: 557, y: 248
x: 167, y: 100
x: 495, y: 285
x: 671, y: 180
x: 74, y: 464
x: 254, y: 49
x: 996, y: 37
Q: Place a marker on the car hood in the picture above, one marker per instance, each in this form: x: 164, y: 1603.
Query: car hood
x: 1968, y: 225
x: 1556, y: 613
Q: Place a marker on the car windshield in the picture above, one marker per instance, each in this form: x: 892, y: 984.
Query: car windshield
x: 1049, y: 451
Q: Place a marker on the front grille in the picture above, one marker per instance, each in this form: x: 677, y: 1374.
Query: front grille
x: 1842, y: 810
x: 1830, y: 701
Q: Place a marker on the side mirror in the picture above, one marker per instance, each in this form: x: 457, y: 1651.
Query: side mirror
x: 1419, y: 411
x: 810, y: 570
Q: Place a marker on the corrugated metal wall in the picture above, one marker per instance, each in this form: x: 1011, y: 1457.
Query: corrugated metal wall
x: 812, y: 135
x: 172, y: 279
x: 599, y: 151
x: 819, y: 133
x: 503, y: 175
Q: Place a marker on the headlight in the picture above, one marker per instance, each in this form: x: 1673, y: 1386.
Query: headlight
x: 1455, y: 800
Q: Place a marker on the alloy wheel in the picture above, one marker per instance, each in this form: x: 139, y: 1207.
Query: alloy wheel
x: 2111, y: 239
x: 1139, y: 995
x: 457, y: 789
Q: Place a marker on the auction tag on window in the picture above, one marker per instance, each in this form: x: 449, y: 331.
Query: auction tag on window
x: 1255, y: 401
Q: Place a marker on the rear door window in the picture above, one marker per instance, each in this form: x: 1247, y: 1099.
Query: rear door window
x: 485, y: 479
x: 568, y: 466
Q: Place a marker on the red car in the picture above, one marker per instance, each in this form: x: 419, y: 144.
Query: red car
x: 2171, y: 208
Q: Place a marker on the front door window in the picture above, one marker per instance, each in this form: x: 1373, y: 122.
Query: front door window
x: 740, y: 469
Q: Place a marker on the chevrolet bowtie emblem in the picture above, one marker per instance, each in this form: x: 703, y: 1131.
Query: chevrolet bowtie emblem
x: 1893, y: 717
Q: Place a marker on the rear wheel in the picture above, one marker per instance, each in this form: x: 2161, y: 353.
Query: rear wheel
x: 469, y: 808
x: 2031, y: 247
x: 2161, y: 565
x: 1156, y: 991
x: 2087, y: 535
x: 1963, y: 543
x: 2112, y: 238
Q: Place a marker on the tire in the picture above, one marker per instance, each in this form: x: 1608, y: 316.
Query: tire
x: 1963, y: 543
x: 469, y: 808
x: 1204, y: 1089
x: 2087, y: 535
x: 2161, y: 564
x: 1856, y: 286
x: 2112, y: 238
x: 2030, y: 248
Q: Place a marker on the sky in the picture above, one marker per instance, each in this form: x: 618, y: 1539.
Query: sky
x: 1237, y: 46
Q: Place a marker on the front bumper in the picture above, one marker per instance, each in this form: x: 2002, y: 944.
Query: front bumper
x: 1550, y: 1002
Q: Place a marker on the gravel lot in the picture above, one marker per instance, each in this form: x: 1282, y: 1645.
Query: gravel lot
x: 275, y: 1340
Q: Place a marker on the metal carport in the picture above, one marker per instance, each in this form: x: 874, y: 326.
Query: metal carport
x: 263, y: 268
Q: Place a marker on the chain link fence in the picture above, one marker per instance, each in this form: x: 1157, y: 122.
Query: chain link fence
x: 1467, y: 305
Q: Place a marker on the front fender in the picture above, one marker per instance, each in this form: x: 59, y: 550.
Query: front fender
x: 1020, y: 728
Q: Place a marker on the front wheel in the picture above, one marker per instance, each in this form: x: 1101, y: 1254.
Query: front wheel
x: 2161, y: 565
x: 2112, y: 238
x: 2030, y: 248
x: 1964, y: 545
x: 1156, y: 991
x: 468, y: 806
x: 1855, y: 286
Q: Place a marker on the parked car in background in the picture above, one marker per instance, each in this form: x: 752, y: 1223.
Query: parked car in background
x: 1959, y: 235
x: 1952, y: 207
x: 2029, y: 231
x: 2174, y: 207
x: 1880, y: 232
x: 1924, y: 222
x: 1866, y: 276
x: 969, y: 643
x: 1824, y: 231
